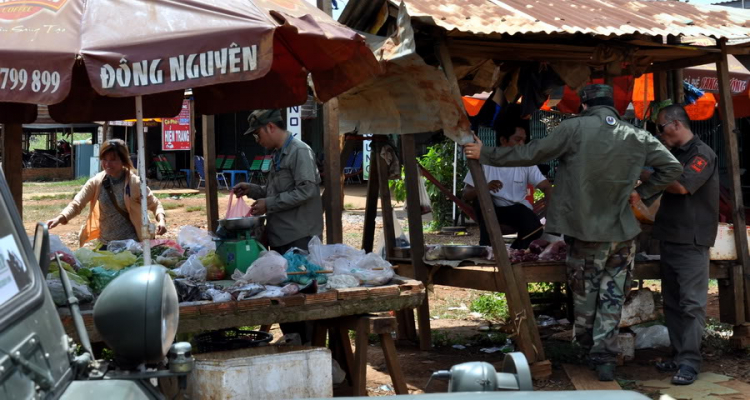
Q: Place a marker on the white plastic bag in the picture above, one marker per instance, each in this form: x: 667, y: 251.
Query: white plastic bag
x: 117, y: 246
x: 268, y: 269
x: 326, y: 255
x: 192, y: 269
x: 370, y: 269
x: 218, y: 296
x: 342, y: 281
x: 80, y: 291
x: 196, y: 239
x: 651, y: 337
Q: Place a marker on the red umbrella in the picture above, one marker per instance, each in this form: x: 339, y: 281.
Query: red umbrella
x: 109, y: 60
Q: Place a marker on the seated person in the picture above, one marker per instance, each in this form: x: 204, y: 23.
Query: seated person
x: 508, y: 186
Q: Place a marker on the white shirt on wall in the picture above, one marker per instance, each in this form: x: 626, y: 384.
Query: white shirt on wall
x: 515, y: 181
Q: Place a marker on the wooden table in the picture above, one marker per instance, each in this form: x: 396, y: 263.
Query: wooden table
x: 206, y: 315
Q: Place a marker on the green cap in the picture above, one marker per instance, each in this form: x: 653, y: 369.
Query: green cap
x: 593, y: 91
x: 259, y: 119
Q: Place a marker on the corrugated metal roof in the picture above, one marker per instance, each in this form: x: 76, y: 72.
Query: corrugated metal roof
x: 595, y: 17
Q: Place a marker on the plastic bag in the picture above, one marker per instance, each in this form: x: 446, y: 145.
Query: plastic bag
x: 651, y: 337
x: 342, y: 281
x: 215, y: 270
x: 117, y: 246
x: 424, y: 198
x: 192, y: 269
x: 101, y: 277
x: 239, y: 209
x: 370, y: 269
x: 196, y: 239
x: 268, y: 269
x: 218, y: 296
x: 55, y: 244
x: 326, y: 255
x: 106, y: 259
x: 80, y: 291
x: 300, y: 263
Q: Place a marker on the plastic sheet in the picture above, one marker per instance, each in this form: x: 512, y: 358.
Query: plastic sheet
x: 219, y: 296
x: 101, y: 277
x: 342, y: 281
x: 192, y: 269
x: 106, y: 259
x: 80, y: 291
x: 651, y: 337
x: 268, y: 269
x: 326, y: 255
x: 197, y: 240
x: 118, y: 246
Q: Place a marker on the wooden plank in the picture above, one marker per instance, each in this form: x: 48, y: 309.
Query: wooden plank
x: 13, y: 162
x: 660, y: 86
x: 391, y: 362
x: 382, y: 325
x: 541, y: 370
x: 684, y: 63
x: 384, y: 291
x: 254, y: 304
x: 726, y: 110
x: 334, y: 206
x: 585, y: 379
x: 296, y: 300
x: 209, y: 166
x: 353, y: 293
x: 371, y: 203
x: 193, y: 180
x: 416, y: 235
x: 360, y: 357
x: 385, y: 204
x: 324, y: 297
x: 519, y: 303
x: 729, y: 312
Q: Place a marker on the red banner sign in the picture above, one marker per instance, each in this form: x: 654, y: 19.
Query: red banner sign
x: 176, y: 131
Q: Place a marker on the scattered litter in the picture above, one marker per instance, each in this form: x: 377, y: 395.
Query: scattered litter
x: 490, y: 350
x: 386, y: 388
x: 563, y: 321
x: 507, y: 348
x: 484, y: 328
x: 434, y: 318
x: 459, y: 346
x: 546, y: 320
x: 175, y: 197
x: 651, y: 337
x: 475, y: 315
x: 461, y: 308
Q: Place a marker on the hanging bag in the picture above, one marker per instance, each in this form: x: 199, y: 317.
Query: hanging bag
x: 239, y: 209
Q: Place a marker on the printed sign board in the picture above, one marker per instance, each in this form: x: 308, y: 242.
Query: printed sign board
x: 176, y: 131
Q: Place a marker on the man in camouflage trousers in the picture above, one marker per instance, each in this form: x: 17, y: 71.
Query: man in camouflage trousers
x: 601, y: 158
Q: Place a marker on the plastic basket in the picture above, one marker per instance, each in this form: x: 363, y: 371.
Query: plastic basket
x: 230, y: 339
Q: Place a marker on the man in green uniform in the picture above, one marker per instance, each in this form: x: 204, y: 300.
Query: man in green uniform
x: 600, y: 157
x: 686, y: 226
x: 291, y: 198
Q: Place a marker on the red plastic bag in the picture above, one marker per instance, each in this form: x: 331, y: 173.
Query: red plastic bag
x: 239, y: 209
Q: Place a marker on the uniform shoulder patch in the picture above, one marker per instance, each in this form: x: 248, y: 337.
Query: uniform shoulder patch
x: 698, y: 164
x: 610, y: 120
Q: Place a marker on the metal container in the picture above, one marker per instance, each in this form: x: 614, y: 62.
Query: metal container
x: 462, y: 252
x: 242, y: 224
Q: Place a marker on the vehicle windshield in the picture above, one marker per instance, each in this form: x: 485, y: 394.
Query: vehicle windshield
x: 15, y: 274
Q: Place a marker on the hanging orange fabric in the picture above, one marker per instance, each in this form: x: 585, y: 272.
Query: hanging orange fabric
x: 472, y: 105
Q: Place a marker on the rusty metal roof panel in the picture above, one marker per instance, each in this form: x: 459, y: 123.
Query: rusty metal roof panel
x: 594, y: 17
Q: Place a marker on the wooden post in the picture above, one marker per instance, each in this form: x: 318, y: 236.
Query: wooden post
x: 209, y: 166
x: 660, y: 86
x: 12, y: 162
x: 389, y: 232
x: 334, y: 206
x: 192, y: 144
x: 678, y: 91
x: 371, y: 207
x: 726, y: 110
x: 506, y: 278
x: 416, y: 236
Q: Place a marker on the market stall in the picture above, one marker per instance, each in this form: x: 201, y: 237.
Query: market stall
x: 486, y: 46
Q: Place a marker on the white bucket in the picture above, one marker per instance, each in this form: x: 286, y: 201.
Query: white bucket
x: 724, y: 248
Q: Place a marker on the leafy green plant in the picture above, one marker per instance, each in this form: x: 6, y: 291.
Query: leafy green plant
x: 194, y: 208
x: 492, y: 306
x: 439, y: 162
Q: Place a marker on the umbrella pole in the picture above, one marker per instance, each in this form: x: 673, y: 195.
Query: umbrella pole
x: 146, y: 224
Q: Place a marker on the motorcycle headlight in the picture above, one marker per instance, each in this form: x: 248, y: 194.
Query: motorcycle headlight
x: 137, y: 315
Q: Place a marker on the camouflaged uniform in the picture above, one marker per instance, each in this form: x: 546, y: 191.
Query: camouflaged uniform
x: 601, y: 158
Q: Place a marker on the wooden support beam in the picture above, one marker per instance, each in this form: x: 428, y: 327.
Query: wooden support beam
x: 371, y: 203
x: 12, y: 162
x: 519, y: 302
x: 731, y: 308
x: 660, y: 86
x: 209, y: 167
x: 192, y: 179
x: 416, y: 235
x: 334, y: 204
x: 726, y: 110
x: 389, y: 231
x: 684, y: 63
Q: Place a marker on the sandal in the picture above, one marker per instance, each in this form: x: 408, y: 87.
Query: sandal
x: 685, y: 375
x: 667, y: 366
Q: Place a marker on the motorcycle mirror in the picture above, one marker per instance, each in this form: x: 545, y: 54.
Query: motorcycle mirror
x: 41, y: 247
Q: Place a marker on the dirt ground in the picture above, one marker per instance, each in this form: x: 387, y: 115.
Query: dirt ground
x: 452, y: 322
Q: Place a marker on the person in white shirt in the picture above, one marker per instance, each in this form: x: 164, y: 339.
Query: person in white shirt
x: 508, y: 188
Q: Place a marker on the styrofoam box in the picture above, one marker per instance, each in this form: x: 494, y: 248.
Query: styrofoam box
x: 724, y: 248
x: 270, y: 372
